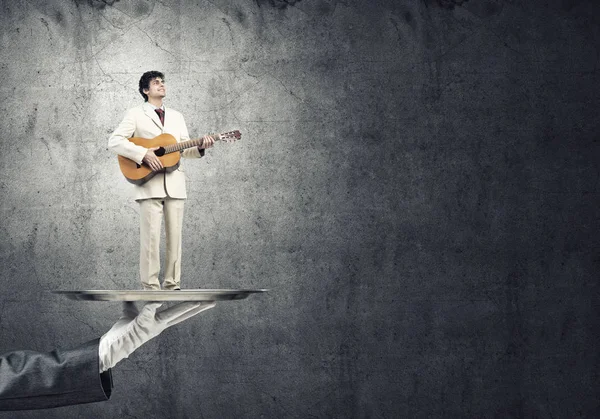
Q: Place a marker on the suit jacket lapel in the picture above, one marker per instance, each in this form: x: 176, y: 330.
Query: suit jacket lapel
x: 149, y: 111
x: 166, y: 118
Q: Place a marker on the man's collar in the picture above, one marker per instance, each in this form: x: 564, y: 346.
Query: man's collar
x: 152, y: 107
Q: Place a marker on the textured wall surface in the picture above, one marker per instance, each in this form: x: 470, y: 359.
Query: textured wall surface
x: 417, y: 185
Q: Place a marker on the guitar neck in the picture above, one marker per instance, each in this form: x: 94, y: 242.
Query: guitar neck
x: 187, y: 144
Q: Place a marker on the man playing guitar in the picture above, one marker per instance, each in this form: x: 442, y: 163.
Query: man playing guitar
x: 164, y: 194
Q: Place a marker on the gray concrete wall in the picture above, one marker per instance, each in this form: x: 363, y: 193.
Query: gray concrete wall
x: 417, y: 185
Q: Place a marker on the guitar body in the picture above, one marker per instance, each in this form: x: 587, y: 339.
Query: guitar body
x: 169, y: 154
x: 140, y: 174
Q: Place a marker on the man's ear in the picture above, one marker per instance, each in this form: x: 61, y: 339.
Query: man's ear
x: 146, y: 91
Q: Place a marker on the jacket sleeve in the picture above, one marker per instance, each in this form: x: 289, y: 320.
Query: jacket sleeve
x: 34, y: 380
x: 119, y: 142
x: 193, y: 152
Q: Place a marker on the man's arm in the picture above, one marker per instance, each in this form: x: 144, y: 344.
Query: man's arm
x: 119, y: 142
x: 194, y: 152
x: 34, y: 380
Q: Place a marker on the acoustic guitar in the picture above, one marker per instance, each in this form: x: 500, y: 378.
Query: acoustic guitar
x: 169, y: 154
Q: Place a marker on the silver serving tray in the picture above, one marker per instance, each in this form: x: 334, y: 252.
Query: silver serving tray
x: 160, y: 295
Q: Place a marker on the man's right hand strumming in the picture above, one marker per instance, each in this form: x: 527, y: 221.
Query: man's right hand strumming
x: 151, y: 160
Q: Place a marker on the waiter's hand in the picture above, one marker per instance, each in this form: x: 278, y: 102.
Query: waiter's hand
x: 135, y: 328
x: 151, y: 160
x: 207, y: 142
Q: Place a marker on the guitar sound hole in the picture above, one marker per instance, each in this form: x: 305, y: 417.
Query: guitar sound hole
x: 160, y: 151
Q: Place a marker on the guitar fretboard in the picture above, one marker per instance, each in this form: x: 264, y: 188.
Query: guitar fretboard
x: 186, y: 144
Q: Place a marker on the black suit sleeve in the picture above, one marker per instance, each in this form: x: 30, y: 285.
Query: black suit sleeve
x: 33, y: 380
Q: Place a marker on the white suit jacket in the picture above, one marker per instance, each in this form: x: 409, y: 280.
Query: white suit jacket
x: 142, y: 121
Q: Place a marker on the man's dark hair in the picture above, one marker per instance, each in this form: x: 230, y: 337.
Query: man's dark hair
x: 145, y: 81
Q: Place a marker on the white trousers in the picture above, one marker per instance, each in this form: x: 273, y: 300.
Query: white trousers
x: 152, y: 211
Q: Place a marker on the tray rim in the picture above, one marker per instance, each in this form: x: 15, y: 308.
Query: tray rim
x: 160, y: 295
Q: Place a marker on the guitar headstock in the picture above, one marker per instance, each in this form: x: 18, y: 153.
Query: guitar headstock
x: 230, y: 136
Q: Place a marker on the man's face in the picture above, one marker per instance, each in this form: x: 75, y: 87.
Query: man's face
x: 157, y: 88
